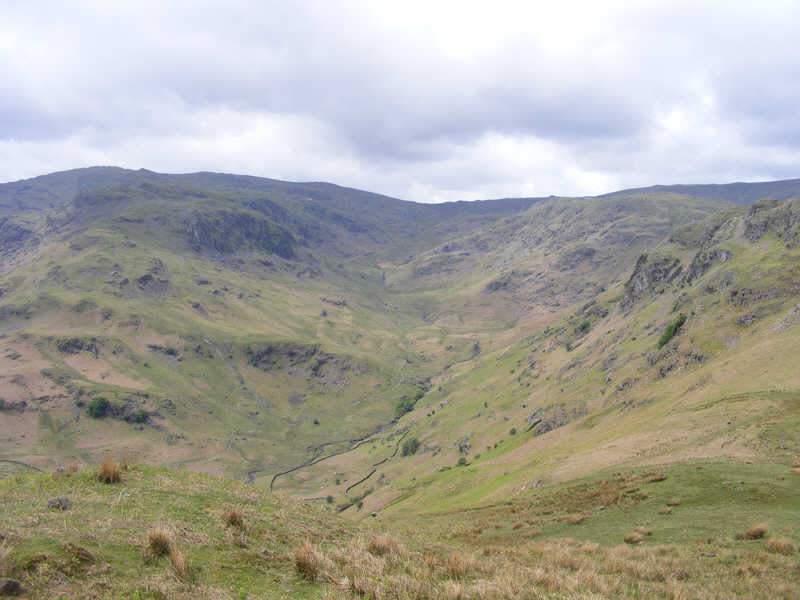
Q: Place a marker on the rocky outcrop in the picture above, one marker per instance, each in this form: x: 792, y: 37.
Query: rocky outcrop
x: 704, y: 260
x: 12, y: 236
x: 782, y: 219
x: 307, y: 361
x: 226, y: 232
x: 651, y: 276
x: 553, y: 416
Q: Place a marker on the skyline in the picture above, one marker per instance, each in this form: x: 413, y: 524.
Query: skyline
x: 457, y: 101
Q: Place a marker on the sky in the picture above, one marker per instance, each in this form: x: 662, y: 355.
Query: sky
x: 427, y: 101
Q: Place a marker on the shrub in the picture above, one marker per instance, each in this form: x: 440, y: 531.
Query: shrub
x: 405, y: 405
x: 779, y: 545
x: 513, y: 431
x: 410, y: 446
x: 461, y: 462
x: 2, y: 403
x: 671, y: 330
x: 234, y: 518
x: 756, y: 532
x: 329, y: 499
x: 583, y: 327
x: 109, y: 472
x: 159, y: 541
x: 98, y: 407
x: 140, y: 416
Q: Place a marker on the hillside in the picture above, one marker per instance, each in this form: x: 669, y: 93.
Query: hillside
x: 503, y: 380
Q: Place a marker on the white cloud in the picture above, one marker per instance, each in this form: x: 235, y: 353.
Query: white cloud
x: 427, y: 101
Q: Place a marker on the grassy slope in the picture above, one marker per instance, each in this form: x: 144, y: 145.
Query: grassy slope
x: 525, y: 548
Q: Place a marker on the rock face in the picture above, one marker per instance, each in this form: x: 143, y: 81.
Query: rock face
x: 704, y: 260
x: 771, y: 216
x: 651, y: 276
x: 9, y: 587
x: 12, y: 236
x: 226, y: 232
x: 306, y: 360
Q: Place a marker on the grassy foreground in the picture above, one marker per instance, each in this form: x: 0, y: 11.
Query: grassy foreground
x: 691, y: 532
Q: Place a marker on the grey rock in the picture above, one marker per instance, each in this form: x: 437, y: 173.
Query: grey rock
x: 9, y: 587
x: 59, y: 504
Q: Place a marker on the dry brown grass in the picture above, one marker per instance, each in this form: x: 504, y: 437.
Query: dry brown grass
x: 673, y: 502
x: 382, y: 545
x: 72, y: 468
x: 576, y: 519
x: 234, y: 518
x: 641, y: 530
x: 755, y: 532
x: 779, y: 545
x: 458, y: 565
x: 159, y: 541
x: 109, y: 472
x: 796, y: 470
x: 665, y: 511
x: 179, y: 563
x: 5, y: 563
x: 307, y: 561
x: 124, y: 464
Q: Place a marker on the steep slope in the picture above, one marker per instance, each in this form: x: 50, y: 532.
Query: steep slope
x: 246, y: 326
x: 688, y: 359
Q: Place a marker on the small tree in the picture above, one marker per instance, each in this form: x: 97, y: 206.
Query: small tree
x: 98, y: 407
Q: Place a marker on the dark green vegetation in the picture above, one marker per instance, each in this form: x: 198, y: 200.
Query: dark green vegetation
x: 671, y: 330
x: 530, y: 360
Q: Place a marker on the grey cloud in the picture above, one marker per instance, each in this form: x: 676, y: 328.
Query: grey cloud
x: 398, y: 99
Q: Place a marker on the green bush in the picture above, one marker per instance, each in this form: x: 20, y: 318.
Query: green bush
x: 513, y: 431
x: 671, y: 330
x: 410, y: 446
x: 140, y: 416
x: 405, y: 405
x: 462, y: 462
x: 98, y: 407
x: 2, y: 403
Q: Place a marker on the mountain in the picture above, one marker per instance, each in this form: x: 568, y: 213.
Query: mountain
x: 474, y: 375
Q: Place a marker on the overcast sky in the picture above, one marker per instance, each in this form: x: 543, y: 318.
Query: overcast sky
x: 427, y: 101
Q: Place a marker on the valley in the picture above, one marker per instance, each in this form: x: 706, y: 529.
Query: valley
x: 529, y: 375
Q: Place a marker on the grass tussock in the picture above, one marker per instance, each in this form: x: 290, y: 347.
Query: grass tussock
x: 755, y: 532
x: 634, y: 538
x: 382, y: 545
x: 109, y: 472
x: 72, y: 468
x: 796, y: 470
x: 159, y: 541
x: 673, y: 502
x: 458, y: 565
x: 779, y: 545
x: 308, y: 561
x: 576, y: 519
x: 641, y: 530
x: 665, y: 511
x: 234, y: 518
x: 5, y: 562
